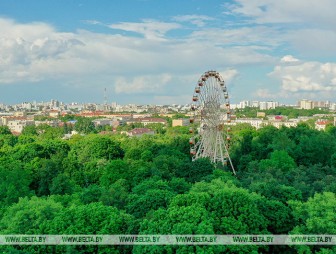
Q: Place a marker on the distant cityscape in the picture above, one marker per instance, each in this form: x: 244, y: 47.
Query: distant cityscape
x: 18, y: 116
x: 115, y: 107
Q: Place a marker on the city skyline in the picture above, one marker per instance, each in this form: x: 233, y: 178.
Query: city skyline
x: 153, y: 52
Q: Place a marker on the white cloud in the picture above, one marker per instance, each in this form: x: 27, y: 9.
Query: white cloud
x: 11, y: 30
x: 289, y: 59
x: 245, y: 36
x: 150, y: 29
x: 32, y: 57
x: 198, y: 20
x: 229, y: 75
x: 321, y: 13
x: 314, y: 42
x: 29, y: 56
x: 142, y: 84
x: 300, y: 26
x: 130, y: 64
x: 304, y: 77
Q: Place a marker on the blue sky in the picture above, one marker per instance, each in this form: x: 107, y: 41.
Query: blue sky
x: 154, y: 51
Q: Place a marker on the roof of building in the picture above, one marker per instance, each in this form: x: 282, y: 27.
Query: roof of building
x: 139, y: 131
x: 322, y: 122
x: 148, y: 119
x: 15, y: 117
x: 106, y: 132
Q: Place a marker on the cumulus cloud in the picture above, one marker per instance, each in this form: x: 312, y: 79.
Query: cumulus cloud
x: 26, y: 53
x: 30, y: 55
x: 289, y: 59
x: 303, y: 26
x: 37, y: 52
x: 302, y: 76
x: 229, y: 75
x: 12, y: 30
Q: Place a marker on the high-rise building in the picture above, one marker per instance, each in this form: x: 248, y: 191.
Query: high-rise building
x: 244, y: 104
x: 306, y: 104
x: 264, y: 105
x: 321, y: 104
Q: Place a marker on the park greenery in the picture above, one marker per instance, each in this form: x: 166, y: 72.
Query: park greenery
x: 290, y: 112
x: 114, y: 184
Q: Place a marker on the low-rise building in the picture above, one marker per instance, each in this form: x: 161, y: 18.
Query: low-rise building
x: 180, y: 122
x: 138, y: 132
x: 6, y: 119
x: 261, y: 114
x: 290, y: 123
x: 20, y: 113
x: 277, y: 118
x: 146, y: 120
x: 321, y: 124
x: 69, y: 135
x: 102, y: 122
x: 279, y: 124
x: 254, y: 122
x: 54, y: 113
x: 18, y: 125
x: 52, y: 123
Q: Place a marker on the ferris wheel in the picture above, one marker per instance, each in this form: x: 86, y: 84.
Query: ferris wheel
x: 209, y: 122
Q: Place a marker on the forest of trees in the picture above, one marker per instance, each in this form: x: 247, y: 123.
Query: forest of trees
x: 290, y: 112
x: 114, y: 184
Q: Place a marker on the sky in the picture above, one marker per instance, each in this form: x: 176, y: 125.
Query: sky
x: 154, y: 51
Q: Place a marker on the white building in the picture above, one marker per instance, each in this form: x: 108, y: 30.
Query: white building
x: 290, y: 124
x: 332, y: 106
x: 321, y: 124
x: 18, y: 125
x: 254, y: 122
x: 278, y: 124
x: 244, y: 104
x: 306, y: 104
x: 264, y: 105
x: 234, y: 106
x: 52, y: 123
x: 54, y: 113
